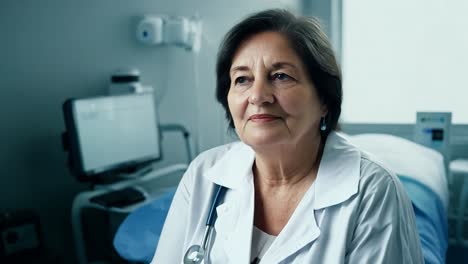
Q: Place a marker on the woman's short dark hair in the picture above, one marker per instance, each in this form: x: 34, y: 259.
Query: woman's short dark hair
x: 306, y: 38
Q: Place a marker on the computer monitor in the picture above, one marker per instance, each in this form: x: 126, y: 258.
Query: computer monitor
x: 111, y: 133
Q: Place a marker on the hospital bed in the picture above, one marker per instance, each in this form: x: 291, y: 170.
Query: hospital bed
x: 420, y: 169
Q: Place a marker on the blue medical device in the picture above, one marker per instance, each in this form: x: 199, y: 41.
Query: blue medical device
x: 196, y: 253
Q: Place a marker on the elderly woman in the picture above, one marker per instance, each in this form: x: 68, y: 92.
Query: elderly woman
x: 296, y: 191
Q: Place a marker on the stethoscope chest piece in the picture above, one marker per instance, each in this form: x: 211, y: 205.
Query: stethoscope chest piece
x: 194, y: 255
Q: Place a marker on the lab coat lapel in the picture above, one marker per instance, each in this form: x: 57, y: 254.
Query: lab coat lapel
x: 337, y: 180
x: 235, y: 223
x: 235, y: 216
x: 301, y: 230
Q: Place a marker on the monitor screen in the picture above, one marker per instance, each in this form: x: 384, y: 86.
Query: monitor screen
x: 112, y: 132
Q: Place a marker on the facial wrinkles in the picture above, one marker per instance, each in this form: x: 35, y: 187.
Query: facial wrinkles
x: 257, y: 74
x: 259, y: 55
x: 259, y: 66
x: 257, y: 60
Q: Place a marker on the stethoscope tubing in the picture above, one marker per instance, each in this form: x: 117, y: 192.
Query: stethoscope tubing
x: 218, y: 195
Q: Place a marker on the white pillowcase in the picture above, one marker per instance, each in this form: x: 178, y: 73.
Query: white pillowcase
x: 407, y: 158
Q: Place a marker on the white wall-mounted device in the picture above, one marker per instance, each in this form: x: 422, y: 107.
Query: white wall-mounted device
x: 150, y: 30
x: 432, y: 129
x: 168, y: 30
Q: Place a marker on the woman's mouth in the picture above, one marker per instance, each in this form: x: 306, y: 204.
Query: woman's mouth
x: 263, y: 118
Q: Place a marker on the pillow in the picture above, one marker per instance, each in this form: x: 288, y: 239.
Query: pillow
x: 405, y: 157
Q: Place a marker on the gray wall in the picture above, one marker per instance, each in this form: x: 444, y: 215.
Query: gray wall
x: 51, y: 50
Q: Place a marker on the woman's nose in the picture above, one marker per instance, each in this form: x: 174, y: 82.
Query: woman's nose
x: 261, y: 93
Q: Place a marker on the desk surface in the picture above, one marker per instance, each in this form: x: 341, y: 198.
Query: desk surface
x: 152, y: 184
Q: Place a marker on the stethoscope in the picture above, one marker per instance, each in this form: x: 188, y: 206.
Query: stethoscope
x: 196, y: 253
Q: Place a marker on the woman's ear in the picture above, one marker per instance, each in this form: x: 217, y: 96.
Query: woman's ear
x: 324, y: 110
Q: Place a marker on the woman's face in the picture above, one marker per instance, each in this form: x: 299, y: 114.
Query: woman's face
x: 271, y: 98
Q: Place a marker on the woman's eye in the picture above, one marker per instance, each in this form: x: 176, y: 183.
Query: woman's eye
x: 241, y: 80
x: 281, y: 76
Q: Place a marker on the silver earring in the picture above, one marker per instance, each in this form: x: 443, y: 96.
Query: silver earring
x: 323, y: 124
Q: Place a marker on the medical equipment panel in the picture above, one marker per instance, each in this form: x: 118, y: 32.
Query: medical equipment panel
x: 432, y: 130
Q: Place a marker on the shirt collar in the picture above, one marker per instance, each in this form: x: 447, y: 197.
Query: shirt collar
x: 337, y: 179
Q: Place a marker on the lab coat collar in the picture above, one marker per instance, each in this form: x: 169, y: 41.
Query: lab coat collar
x: 339, y: 172
x: 337, y: 178
x: 234, y: 169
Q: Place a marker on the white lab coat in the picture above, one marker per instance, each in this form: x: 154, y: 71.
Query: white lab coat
x: 355, y: 212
